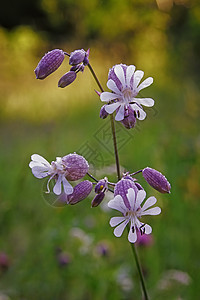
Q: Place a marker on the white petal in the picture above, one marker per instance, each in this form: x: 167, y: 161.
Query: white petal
x: 118, y: 204
x: 120, y: 228
x: 129, y: 74
x: 120, y: 114
x: 120, y: 74
x: 149, y: 202
x: 147, y: 229
x: 132, y: 236
x: 142, y: 114
x: 112, y: 86
x: 110, y: 108
x: 68, y: 189
x: 141, y: 194
x: 107, y: 96
x: 149, y: 102
x: 137, y: 77
x: 131, y: 198
x: 152, y: 211
x: 40, y: 171
x: 38, y: 158
x: 34, y: 164
x: 147, y: 82
x: 114, y: 221
x: 57, y: 186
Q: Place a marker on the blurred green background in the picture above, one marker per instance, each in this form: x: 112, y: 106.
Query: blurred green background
x: 70, y: 252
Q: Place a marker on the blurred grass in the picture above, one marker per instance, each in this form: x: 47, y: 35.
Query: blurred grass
x: 37, y: 117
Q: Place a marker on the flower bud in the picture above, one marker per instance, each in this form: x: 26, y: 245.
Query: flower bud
x: 77, y: 57
x: 49, y: 63
x: 121, y: 188
x: 98, y: 199
x: 76, y: 166
x: 101, y: 186
x: 138, y: 186
x: 67, y: 79
x: 103, y: 113
x: 157, y: 180
x: 80, y: 192
x: 129, y: 120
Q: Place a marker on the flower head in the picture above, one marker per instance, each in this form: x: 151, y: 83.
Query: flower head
x: 124, y: 82
x: 70, y: 167
x: 132, y: 213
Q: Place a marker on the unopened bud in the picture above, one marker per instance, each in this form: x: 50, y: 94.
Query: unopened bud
x: 101, y: 186
x: 76, y: 166
x: 67, y: 79
x: 103, y: 113
x: 157, y: 180
x: 49, y: 63
x: 122, y: 187
x: 98, y: 199
x: 129, y: 120
x: 77, y: 57
x: 80, y: 192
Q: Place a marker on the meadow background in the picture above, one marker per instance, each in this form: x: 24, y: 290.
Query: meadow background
x: 58, y: 253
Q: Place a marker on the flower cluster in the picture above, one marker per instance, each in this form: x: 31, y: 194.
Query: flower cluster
x: 52, y: 60
x: 123, y: 101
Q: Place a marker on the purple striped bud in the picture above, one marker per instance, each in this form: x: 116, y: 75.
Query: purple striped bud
x: 77, y: 57
x: 138, y: 186
x: 80, y: 192
x: 76, y: 166
x: 101, y: 186
x: 129, y: 120
x: 98, y: 199
x: 67, y: 79
x: 121, y: 188
x: 103, y: 113
x: 49, y: 63
x: 157, y: 180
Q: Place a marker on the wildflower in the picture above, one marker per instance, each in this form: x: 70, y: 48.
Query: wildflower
x: 124, y: 82
x: 157, y: 180
x: 132, y: 214
x: 49, y: 63
x: 70, y: 167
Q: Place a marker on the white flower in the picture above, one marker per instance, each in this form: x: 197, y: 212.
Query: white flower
x: 124, y: 82
x: 133, y: 214
x: 42, y: 168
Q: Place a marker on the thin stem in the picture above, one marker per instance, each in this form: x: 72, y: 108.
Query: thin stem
x: 132, y: 174
x: 112, y: 126
x: 115, y: 146
x: 91, y: 176
x: 95, y: 77
x: 133, y: 247
x: 119, y: 177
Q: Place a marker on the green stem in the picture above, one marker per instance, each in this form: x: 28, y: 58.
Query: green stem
x: 115, y: 146
x: 112, y: 126
x: 134, y: 250
x: 119, y: 177
x: 95, y: 77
